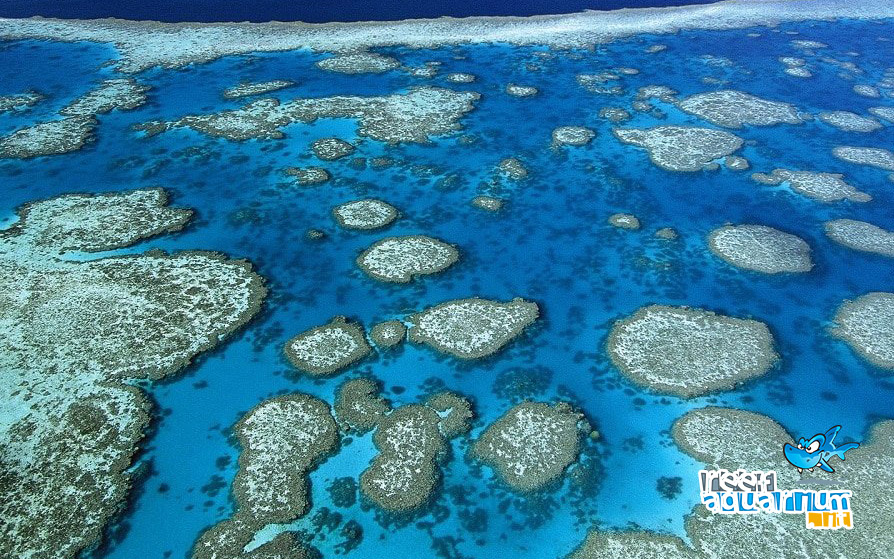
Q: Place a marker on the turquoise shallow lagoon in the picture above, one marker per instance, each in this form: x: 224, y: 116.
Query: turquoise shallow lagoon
x: 551, y: 243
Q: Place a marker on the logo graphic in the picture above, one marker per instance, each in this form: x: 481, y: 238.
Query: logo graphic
x: 816, y: 451
x: 756, y: 492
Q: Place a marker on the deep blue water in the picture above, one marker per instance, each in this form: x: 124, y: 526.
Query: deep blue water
x: 312, y: 12
x: 551, y: 244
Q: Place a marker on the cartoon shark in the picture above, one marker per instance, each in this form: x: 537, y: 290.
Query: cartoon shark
x: 815, y: 451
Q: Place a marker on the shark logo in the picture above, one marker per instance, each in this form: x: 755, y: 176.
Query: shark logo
x: 816, y: 451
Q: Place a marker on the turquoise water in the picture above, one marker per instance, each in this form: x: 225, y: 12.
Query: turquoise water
x: 551, y: 244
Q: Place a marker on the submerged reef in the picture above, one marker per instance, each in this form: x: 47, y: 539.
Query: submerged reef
x: 409, y: 117
x: 572, y: 136
x: 761, y: 248
x: 472, y: 328
x: 689, y: 352
x: 874, y: 157
x: 67, y: 348
x: 358, y: 405
x: 681, y: 148
x: 400, y: 259
x: 825, y: 187
x: 246, y: 89
x: 359, y: 63
x: 860, y: 235
x: 532, y: 444
x: 365, y: 214
x: 734, y: 439
x: 326, y: 349
x: 282, y: 440
x: 849, y: 122
x: 388, y: 334
x: 867, y: 324
x: 734, y: 109
x: 667, y: 233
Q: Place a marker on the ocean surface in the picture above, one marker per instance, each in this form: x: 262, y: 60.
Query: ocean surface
x: 551, y: 244
x: 311, y: 12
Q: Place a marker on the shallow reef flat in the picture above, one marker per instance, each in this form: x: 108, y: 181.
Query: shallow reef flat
x: 624, y: 221
x: 532, y: 444
x: 825, y: 187
x: 404, y: 473
x: 358, y: 405
x: 352, y: 146
x: 282, y: 439
x: 884, y: 113
x: 517, y: 90
x: 732, y: 439
x: 735, y: 109
x: 93, y: 223
x: 410, y: 117
x: 874, y: 157
x: 681, y: 148
x: 487, y: 203
x: 67, y: 331
x: 688, y: 352
x: 116, y: 94
x: 330, y: 149
x: 572, y: 136
x: 147, y: 44
x: 867, y: 324
x: 860, y: 235
x: 327, y: 349
x: 472, y: 328
x: 400, y: 259
x: 249, y: 89
x: 76, y: 127
x: 412, y: 440
x: 48, y: 138
x: 761, y: 248
x: 365, y: 214
x: 628, y: 545
x: 388, y: 334
x: 513, y: 168
x: 19, y: 102
x: 359, y: 63
x: 849, y: 122
x: 308, y: 176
